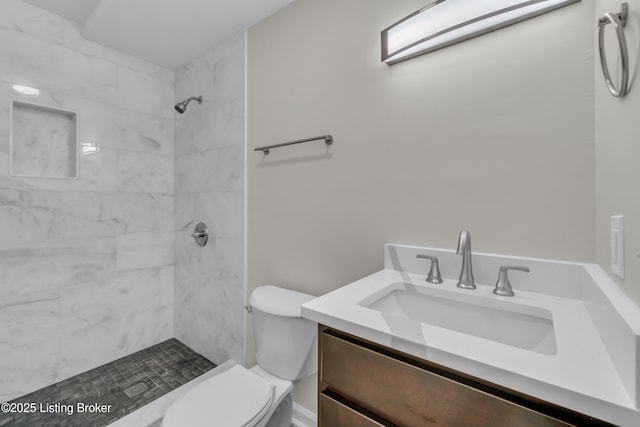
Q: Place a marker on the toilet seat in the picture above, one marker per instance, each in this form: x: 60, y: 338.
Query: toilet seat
x: 236, y: 397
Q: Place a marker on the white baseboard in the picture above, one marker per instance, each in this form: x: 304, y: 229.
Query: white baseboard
x: 302, y: 417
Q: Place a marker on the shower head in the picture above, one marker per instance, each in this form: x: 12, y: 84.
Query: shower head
x: 181, y: 107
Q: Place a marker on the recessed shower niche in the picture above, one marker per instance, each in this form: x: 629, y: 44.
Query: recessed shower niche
x: 43, y: 141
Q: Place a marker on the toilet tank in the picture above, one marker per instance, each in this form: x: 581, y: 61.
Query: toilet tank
x: 286, y: 344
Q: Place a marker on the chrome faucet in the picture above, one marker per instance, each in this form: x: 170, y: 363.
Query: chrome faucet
x: 464, y: 248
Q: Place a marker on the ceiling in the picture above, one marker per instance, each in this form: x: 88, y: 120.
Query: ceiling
x: 169, y: 33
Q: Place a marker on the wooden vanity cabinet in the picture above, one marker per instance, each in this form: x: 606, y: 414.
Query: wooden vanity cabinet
x: 363, y: 384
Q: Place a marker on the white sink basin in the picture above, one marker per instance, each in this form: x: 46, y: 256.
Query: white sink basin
x: 568, y: 336
x: 495, y: 319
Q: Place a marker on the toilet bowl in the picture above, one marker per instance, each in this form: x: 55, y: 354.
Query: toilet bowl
x: 286, y: 350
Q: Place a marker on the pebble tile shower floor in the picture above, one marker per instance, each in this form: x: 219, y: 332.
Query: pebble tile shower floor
x: 145, y: 376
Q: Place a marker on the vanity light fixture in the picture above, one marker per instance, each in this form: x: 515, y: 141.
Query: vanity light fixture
x: 446, y: 22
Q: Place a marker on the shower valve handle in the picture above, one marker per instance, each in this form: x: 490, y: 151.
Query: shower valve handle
x: 201, y: 234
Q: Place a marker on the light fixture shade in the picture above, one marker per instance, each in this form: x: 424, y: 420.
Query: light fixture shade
x: 446, y: 22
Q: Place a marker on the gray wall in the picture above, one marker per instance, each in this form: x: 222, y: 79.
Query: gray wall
x: 618, y: 153
x: 86, y: 264
x: 494, y: 135
x: 210, y: 139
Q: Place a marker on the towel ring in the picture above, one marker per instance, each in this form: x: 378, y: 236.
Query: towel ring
x: 619, y: 21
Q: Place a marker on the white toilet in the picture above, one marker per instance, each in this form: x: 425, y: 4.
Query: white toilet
x: 286, y: 350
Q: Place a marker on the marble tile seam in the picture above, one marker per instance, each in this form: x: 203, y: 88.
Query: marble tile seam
x: 68, y: 101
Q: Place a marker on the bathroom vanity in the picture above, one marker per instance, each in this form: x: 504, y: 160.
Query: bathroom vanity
x: 365, y: 384
x: 397, y: 350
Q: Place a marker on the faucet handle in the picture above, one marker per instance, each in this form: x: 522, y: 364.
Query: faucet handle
x: 434, y: 275
x: 503, y: 286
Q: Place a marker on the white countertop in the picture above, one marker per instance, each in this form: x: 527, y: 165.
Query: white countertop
x: 580, y: 376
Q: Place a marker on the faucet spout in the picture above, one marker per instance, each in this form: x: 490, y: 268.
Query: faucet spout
x: 466, y: 280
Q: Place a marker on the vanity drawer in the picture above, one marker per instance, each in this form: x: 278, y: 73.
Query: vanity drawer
x: 408, y: 395
x: 336, y: 414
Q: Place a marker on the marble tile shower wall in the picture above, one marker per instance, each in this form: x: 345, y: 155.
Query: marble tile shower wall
x: 210, y: 188
x: 87, y: 264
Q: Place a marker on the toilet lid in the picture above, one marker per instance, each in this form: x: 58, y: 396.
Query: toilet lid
x: 236, y: 397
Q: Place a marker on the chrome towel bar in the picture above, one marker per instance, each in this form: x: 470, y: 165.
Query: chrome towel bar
x: 619, y: 21
x: 328, y: 139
